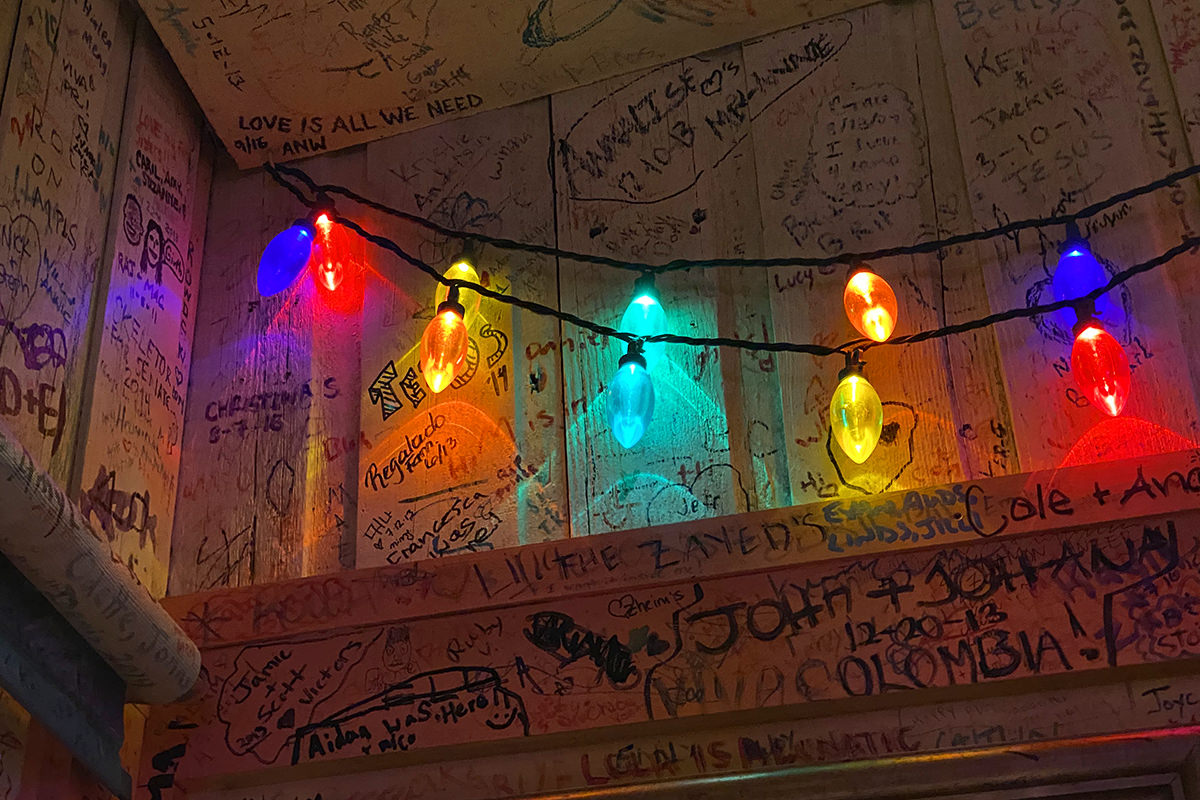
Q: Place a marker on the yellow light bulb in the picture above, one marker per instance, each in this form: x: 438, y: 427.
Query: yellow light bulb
x: 856, y: 415
x: 461, y: 270
x: 870, y: 304
x: 444, y: 346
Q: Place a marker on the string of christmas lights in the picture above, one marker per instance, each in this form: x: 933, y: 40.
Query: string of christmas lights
x: 1098, y: 362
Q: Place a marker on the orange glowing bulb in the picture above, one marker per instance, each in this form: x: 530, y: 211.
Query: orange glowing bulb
x: 870, y: 304
x: 1101, y: 368
x: 444, y: 345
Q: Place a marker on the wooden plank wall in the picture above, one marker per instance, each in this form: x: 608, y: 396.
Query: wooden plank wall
x: 58, y: 159
x: 112, y: 382
x: 894, y: 123
x: 73, y: 356
x: 131, y: 448
x: 366, y: 672
x: 601, y: 764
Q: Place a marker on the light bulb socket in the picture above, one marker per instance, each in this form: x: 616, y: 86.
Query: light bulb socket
x: 471, y: 250
x: 633, y: 355
x: 644, y: 285
x: 854, y: 269
x: 451, y: 303
x: 1074, y: 239
x: 854, y: 366
x: 1085, y: 316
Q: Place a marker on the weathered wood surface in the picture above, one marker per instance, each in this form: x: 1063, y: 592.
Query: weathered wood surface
x: 45, y: 535
x: 272, y: 407
x: 130, y: 460
x: 650, y: 196
x: 372, y: 70
x: 856, y: 131
x: 1105, y: 595
x: 636, y: 759
x: 912, y: 520
x: 53, y: 672
x: 860, y: 178
x: 1047, y: 98
x: 478, y: 466
x: 8, y: 28
x: 58, y: 159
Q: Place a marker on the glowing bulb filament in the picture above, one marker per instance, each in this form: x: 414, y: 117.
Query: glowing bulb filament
x: 645, y: 317
x: 856, y: 415
x: 1101, y: 368
x: 870, y: 304
x: 629, y: 400
x: 444, y: 346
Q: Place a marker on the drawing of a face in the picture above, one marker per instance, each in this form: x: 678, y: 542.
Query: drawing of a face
x: 397, y: 651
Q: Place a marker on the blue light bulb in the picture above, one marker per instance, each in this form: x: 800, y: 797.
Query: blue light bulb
x: 284, y: 258
x: 645, y: 317
x: 630, y: 400
x: 1078, y: 272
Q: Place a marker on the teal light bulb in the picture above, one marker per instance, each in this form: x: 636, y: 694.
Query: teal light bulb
x: 645, y: 317
x: 630, y: 400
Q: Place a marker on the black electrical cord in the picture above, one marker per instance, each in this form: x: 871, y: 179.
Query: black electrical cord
x: 922, y: 248
x: 322, y: 191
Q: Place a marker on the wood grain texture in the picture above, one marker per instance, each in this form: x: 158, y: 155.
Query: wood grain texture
x: 875, y: 127
x: 844, y: 164
x: 53, y: 672
x: 651, y: 761
x: 372, y: 70
x: 44, y: 534
x: 649, y: 167
x: 58, y: 159
x: 1177, y: 34
x: 1097, y: 596
x: 8, y: 30
x: 135, y: 395
x: 14, y: 734
x: 1045, y: 101
x: 270, y: 406
x: 913, y: 520
x: 479, y: 466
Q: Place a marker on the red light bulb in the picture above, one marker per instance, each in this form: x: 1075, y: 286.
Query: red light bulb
x: 1100, y: 367
x: 337, y: 265
x: 329, y: 270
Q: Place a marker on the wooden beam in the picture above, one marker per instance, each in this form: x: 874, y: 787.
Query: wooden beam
x: 894, y: 522
x: 51, y: 671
